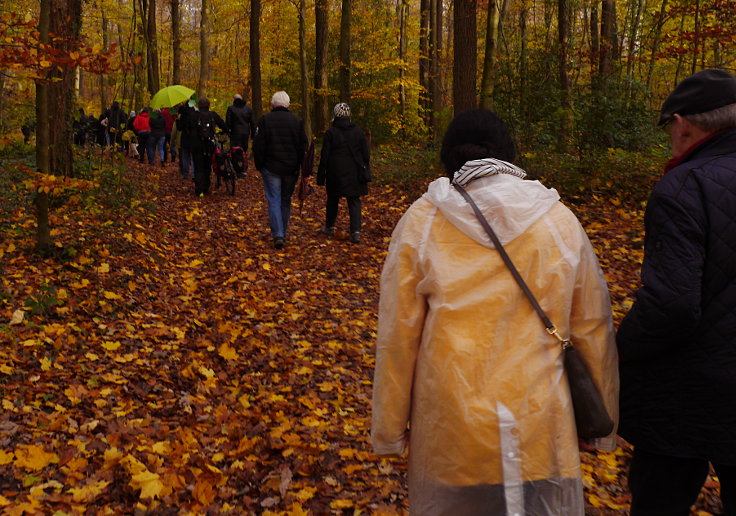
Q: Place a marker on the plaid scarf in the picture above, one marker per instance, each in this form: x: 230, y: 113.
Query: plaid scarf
x: 483, y: 168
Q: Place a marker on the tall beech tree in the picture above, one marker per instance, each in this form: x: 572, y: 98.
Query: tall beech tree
x: 321, y: 33
x: 345, y: 69
x: 465, y: 60
x: 255, y: 58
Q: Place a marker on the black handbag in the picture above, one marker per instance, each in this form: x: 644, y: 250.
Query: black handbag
x: 591, y: 417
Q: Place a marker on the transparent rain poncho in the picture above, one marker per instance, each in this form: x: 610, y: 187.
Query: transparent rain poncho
x: 466, y: 374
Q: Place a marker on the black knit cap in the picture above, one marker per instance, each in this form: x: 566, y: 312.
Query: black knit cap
x: 701, y: 92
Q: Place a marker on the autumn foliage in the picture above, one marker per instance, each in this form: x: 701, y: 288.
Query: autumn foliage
x: 169, y: 359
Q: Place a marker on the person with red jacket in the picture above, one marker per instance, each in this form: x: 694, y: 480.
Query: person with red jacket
x: 142, y: 127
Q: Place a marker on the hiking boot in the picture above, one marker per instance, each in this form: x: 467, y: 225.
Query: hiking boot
x: 328, y: 231
x: 278, y: 243
x: 355, y: 237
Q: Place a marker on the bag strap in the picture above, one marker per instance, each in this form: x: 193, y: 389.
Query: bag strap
x: 551, y: 329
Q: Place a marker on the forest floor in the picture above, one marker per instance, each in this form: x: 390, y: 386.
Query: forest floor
x: 170, y: 361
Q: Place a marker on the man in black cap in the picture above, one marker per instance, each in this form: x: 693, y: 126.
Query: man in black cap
x: 677, y: 344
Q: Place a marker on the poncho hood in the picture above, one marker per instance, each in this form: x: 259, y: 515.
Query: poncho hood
x: 511, y: 204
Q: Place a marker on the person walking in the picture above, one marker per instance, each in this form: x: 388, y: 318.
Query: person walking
x: 202, y: 125
x: 240, y: 123
x: 169, y: 148
x: 113, y: 120
x: 278, y: 149
x: 678, y: 342
x: 183, y: 125
x: 157, y: 138
x: 466, y: 375
x: 142, y: 126
x: 344, y: 156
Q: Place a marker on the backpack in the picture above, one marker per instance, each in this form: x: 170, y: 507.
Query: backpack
x: 206, y: 127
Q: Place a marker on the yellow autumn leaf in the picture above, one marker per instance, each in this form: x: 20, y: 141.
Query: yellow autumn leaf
x: 6, y: 369
x: 195, y: 263
x: 342, y: 504
x: 104, y: 268
x: 244, y: 401
x: 111, y: 295
x: 227, y: 352
x: 111, y: 345
x: 87, y: 493
x: 306, y: 494
x: 33, y: 457
x: 266, y: 266
x: 6, y: 457
x: 45, y: 364
x: 149, y: 483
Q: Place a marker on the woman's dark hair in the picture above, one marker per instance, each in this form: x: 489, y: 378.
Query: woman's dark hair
x: 204, y: 103
x: 475, y: 134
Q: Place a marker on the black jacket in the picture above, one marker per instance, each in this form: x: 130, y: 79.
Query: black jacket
x: 239, y: 118
x: 343, y: 146
x: 678, y: 342
x: 280, y: 142
x: 158, y: 126
x: 195, y: 141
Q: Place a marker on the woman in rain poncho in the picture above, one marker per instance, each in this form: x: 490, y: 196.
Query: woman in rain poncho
x: 465, y: 370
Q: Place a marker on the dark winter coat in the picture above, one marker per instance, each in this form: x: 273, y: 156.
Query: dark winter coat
x: 344, y: 144
x: 239, y: 118
x: 678, y: 343
x: 158, y: 126
x: 183, y: 125
x: 280, y: 142
x: 197, y: 144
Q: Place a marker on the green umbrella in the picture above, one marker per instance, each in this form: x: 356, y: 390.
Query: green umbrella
x: 171, y: 96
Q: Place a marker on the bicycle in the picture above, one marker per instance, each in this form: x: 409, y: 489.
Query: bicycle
x: 222, y: 164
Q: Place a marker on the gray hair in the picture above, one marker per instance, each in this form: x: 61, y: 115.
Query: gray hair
x: 715, y: 120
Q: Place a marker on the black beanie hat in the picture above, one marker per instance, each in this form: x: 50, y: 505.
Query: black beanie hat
x: 701, y: 92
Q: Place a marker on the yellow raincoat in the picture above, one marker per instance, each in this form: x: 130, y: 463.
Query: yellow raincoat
x: 465, y: 362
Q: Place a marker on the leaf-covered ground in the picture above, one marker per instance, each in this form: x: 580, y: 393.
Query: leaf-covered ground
x: 170, y: 361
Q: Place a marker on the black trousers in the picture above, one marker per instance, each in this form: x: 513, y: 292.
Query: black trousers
x: 333, y: 203
x: 202, y: 171
x: 239, y: 140
x: 668, y: 486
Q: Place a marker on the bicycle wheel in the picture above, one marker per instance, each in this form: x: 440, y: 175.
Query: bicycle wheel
x: 229, y: 177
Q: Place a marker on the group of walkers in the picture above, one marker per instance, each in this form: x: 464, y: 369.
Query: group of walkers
x: 469, y: 377
x: 279, y: 147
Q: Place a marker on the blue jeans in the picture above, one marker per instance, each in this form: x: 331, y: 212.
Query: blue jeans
x: 155, y: 143
x: 278, y: 194
x: 185, y: 162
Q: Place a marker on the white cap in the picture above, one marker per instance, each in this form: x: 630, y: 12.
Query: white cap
x: 280, y: 98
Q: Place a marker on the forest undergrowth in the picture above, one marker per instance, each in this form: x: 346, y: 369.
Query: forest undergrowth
x: 167, y: 360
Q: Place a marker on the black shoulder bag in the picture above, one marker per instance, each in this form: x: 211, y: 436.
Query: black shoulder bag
x: 591, y: 417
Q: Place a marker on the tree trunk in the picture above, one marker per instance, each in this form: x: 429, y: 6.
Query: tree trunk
x: 105, y: 46
x: 438, y: 29
x: 493, y: 28
x: 402, y: 9
x: 696, y: 40
x: 607, y: 43
x: 306, y: 103
x: 523, y: 72
x: 204, y: 51
x: 656, y: 41
x: 563, y: 32
x: 41, y: 201
x: 424, y: 15
x: 435, y: 38
x: 255, y: 58
x: 345, y: 20
x: 175, y: 42
x: 633, y: 38
x: 321, y: 107
x: 465, y: 61
x: 594, y: 40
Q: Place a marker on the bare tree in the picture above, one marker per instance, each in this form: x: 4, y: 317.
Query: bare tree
x: 255, y: 58
x: 321, y: 107
x: 175, y: 42
x: 345, y: 21
x: 494, y: 19
x: 204, y: 50
x: 465, y: 61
